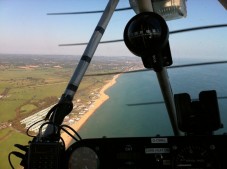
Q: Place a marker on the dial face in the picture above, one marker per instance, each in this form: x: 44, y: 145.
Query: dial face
x: 195, y: 157
x: 83, y: 158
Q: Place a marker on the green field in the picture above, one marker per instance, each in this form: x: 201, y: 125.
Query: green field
x: 8, y: 137
x: 29, y: 90
x: 30, y: 83
x: 24, y: 91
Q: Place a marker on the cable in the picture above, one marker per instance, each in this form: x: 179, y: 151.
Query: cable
x: 78, y: 44
x: 171, y: 32
x: 198, y: 28
x: 56, y: 132
x: 52, y: 110
x: 31, y: 126
x: 39, y: 139
x: 51, y: 113
x: 17, y: 154
x: 80, y: 138
x: 87, y: 12
x: 70, y: 134
x: 10, y: 163
x: 170, y: 67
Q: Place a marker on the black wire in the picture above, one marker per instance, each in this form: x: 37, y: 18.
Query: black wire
x: 170, y: 67
x: 48, y: 116
x: 77, y: 44
x: 58, y: 127
x: 54, y: 109
x: 51, y: 111
x: 31, y: 126
x: 87, y: 12
x: 198, y: 28
x: 171, y: 32
x: 17, y: 154
x: 10, y: 163
x: 80, y: 138
x: 61, y: 128
x: 198, y: 64
x: 40, y: 134
x: 69, y: 134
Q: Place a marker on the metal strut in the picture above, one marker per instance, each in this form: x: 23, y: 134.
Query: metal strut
x: 168, y: 98
x: 162, y: 75
x: 90, y: 49
x: 67, y: 97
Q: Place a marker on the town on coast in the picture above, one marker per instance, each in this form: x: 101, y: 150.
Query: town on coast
x: 96, y: 104
x: 77, y: 121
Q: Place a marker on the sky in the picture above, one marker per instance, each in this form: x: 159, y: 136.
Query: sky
x: 25, y: 27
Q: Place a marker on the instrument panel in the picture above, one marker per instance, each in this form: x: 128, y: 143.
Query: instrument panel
x: 183, y: 152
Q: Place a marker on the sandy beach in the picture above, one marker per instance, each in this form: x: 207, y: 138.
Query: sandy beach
x: 98, y: 102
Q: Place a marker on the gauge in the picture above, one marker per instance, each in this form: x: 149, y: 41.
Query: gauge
x: 83, y: 158
x: 195, y: 157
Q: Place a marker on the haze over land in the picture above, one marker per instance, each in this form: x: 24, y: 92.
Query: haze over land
x: 31, y: 83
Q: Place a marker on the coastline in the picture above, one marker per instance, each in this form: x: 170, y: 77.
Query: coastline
x: 98, y: 102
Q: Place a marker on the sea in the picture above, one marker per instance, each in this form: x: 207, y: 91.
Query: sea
x: 136, y: 107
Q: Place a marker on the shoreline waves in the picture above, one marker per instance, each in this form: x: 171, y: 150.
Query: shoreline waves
x: 98, y: 102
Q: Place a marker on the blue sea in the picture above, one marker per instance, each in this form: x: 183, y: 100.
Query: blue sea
x: 136, y: 106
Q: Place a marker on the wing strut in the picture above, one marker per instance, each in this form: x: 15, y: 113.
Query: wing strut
x: 168, y: 98
x: 63, y: 108
x: 149, y: 40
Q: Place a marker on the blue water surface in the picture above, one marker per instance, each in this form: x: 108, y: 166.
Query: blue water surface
x: 136, y: 107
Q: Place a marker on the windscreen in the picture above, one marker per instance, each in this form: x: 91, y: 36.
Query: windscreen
x: 117, y: 97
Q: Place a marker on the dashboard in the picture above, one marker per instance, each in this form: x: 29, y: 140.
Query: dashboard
x: 183, y: 152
